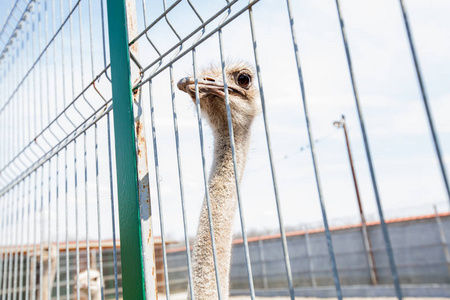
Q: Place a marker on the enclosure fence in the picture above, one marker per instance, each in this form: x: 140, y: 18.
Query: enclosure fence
x: 73, y: 168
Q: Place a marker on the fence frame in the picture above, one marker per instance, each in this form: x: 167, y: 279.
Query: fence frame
x: 133, y: 282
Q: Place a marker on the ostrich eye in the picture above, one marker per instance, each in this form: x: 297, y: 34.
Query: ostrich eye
x: 244, y: 80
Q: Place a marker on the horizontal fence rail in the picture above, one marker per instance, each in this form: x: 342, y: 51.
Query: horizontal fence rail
x: 192, y: 149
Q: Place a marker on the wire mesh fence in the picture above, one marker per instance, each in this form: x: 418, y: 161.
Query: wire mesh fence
x: 56, y: 155
x: 62, y: 159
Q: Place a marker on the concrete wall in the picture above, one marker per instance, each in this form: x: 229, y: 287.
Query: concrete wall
x: 418, y: 252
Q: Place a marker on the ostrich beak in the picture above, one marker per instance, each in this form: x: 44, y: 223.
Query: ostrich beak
x: 206, y: 85
x: 183, y: 83
x: 209, y: 82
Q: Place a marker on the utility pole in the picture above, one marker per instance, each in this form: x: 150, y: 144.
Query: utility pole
x: 367, y: 244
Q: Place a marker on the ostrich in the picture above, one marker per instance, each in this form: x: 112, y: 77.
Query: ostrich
x: 94, y: 282
x: 244, y: 106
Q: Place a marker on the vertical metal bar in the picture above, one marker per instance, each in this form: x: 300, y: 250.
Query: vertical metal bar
x: 86, y: 213
x: 66, y: 218
x: 8, y: 118
x: 205, y: 181
x: 269, y: 149
x: 263, y: 264
x: 34, y: 85
x: 442, y: 238
x: 148, y: 248
x: 2, y: 239
x: 72, y: 64
x: 65, y: 150
x: 33, y: 265
x: 6, y: 274
x: 97, y: 186
x: 3, y: 160
x: 58, y: 274
x: 14, y: 103
x: 77, y: 250
x: 113, y: 218
x: 22, y: 103
x: 22, y: 240
x: 236, y: 174
x: 29, y: 54
x: 63, y: 60
x: 6, y: 144
x: 54, y: 57
x: 91, y: 41
x: 310, y: 258
x: 47, y: 81
x: 158, y: 189
x: 41, y: 236
x: 80, y: 23
x: 180, y: 177
x: 7, y: 241
x: 425, y: 101
x: 384, y: 229
x: 2, y: 127
x: 29, y: 225
x: 3, y: 231
x: 13, y: 113
x: 16, y: 242
x: 313, y: 157
x: 177, y: 143
x: 104, y: 39
x: 49, y: 249
x: 40, y: 79
x: 9, y: 114
x: 12, y: 246
x: 127, y: 183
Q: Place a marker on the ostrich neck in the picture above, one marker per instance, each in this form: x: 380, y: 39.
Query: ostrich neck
x: 222, y: 193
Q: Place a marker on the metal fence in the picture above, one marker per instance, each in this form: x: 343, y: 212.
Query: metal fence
x: 57, y: 188
x: 62, y: 160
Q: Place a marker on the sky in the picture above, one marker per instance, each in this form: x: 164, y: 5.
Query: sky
x: 406, y: 166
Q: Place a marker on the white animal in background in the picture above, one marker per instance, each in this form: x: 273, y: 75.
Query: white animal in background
x: 95, y: 284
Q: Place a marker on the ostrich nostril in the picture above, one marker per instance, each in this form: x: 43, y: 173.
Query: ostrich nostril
x: 209, y: 79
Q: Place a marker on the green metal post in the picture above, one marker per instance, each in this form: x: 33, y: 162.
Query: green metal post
x: 127, y: 183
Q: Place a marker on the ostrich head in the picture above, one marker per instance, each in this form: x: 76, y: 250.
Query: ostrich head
x: 94, y: 282
x: 243, y: 95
